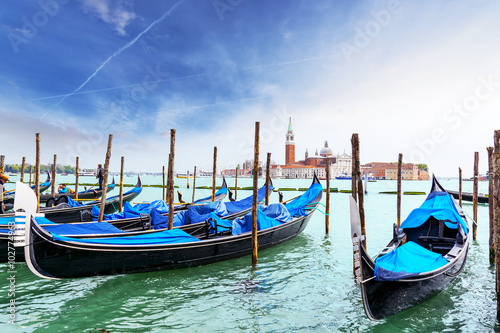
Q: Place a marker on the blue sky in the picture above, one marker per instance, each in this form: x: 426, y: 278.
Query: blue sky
x: 420, y: 79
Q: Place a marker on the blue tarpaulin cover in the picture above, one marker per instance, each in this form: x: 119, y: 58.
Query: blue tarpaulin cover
x: 130, y: 211
x: 4, y: 221
x: 83, y: 228
x: 271, y: 216
x: 73, y: 203
x: 297, y: 207
x: 406, y: 261
x: 441, y: 206
x: 238, y: 206
x: 194, y: 214
x: 156, y: 238
x: 219, y: 225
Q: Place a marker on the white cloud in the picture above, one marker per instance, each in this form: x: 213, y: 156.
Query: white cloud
x: 115, y: 13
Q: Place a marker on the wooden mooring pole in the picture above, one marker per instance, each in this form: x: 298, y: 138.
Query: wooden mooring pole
x: 358, y: 187
x: 23, y: 165
x: 194, y: 182
x: 268, y: 177
x: 31, y: 173
x: 255, y: 243
x: 496, y: 207
x: 76, y: 176
x: 37, y: 172
x: 171, y: 180
x: 54, y: 172
x: 105, y: 179
x: 236, y: 183
x: 214, y: 175
x: 327, y: 209
x: 163, y: 195
x: 491, y: 206
x: 400, y: 164
x: 460, y: 186
x: 121, y: 183
x: 474, y: 203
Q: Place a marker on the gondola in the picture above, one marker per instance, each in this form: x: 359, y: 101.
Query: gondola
x: 193, y: 221
x: 83, y: 213
x: 71, y: 211
x: 425, y: 255
x: 467, y: 196
x: 82, y: 195
x: 9, y: 197
x: 52, y: 256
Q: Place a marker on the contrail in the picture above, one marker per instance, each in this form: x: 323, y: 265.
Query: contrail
x: 121, y: 50
x: 105, y: 89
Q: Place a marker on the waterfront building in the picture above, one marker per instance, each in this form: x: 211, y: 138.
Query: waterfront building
x: 311, y: 164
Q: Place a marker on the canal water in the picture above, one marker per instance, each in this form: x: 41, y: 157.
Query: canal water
x: 303, y: 285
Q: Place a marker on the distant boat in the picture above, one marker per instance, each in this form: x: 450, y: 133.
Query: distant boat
x: 200, y: 174
x: 183, y: 175
x: 11, y: 174
x: 86, y: 173
x: 346, y: 176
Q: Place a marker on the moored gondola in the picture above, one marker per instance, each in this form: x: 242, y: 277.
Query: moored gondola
x: 70, y: 211
x: 9, y: 196
x: 425, y: 255
x: 192, y: 220
x: 90, y: 194
x: 467, y: 196
x: 52, y: 256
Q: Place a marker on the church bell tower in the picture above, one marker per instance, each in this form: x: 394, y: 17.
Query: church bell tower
x: 289, y: 145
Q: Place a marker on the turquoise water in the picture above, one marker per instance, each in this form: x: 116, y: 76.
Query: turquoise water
x: 304, y: 285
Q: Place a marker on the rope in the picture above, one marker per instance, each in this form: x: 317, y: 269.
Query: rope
x: 470, y: 217
x: 319, y: 210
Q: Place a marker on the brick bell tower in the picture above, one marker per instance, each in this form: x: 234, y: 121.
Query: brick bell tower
x: 289, y: 145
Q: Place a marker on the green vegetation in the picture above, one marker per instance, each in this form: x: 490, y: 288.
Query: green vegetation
x: 423, y: 166
x: 248, y: 188
x: 345, y: 191
x: 288, y: 189
x: 16, y: 168
x: 335, y: 190
x: 389, y: 192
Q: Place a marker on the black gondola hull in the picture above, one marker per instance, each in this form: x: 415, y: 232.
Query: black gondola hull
x: 385, y: 298
x: 469, y: 197
x: 70, y: 260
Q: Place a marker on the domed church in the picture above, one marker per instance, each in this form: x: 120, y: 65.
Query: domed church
x: 311, y: 164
